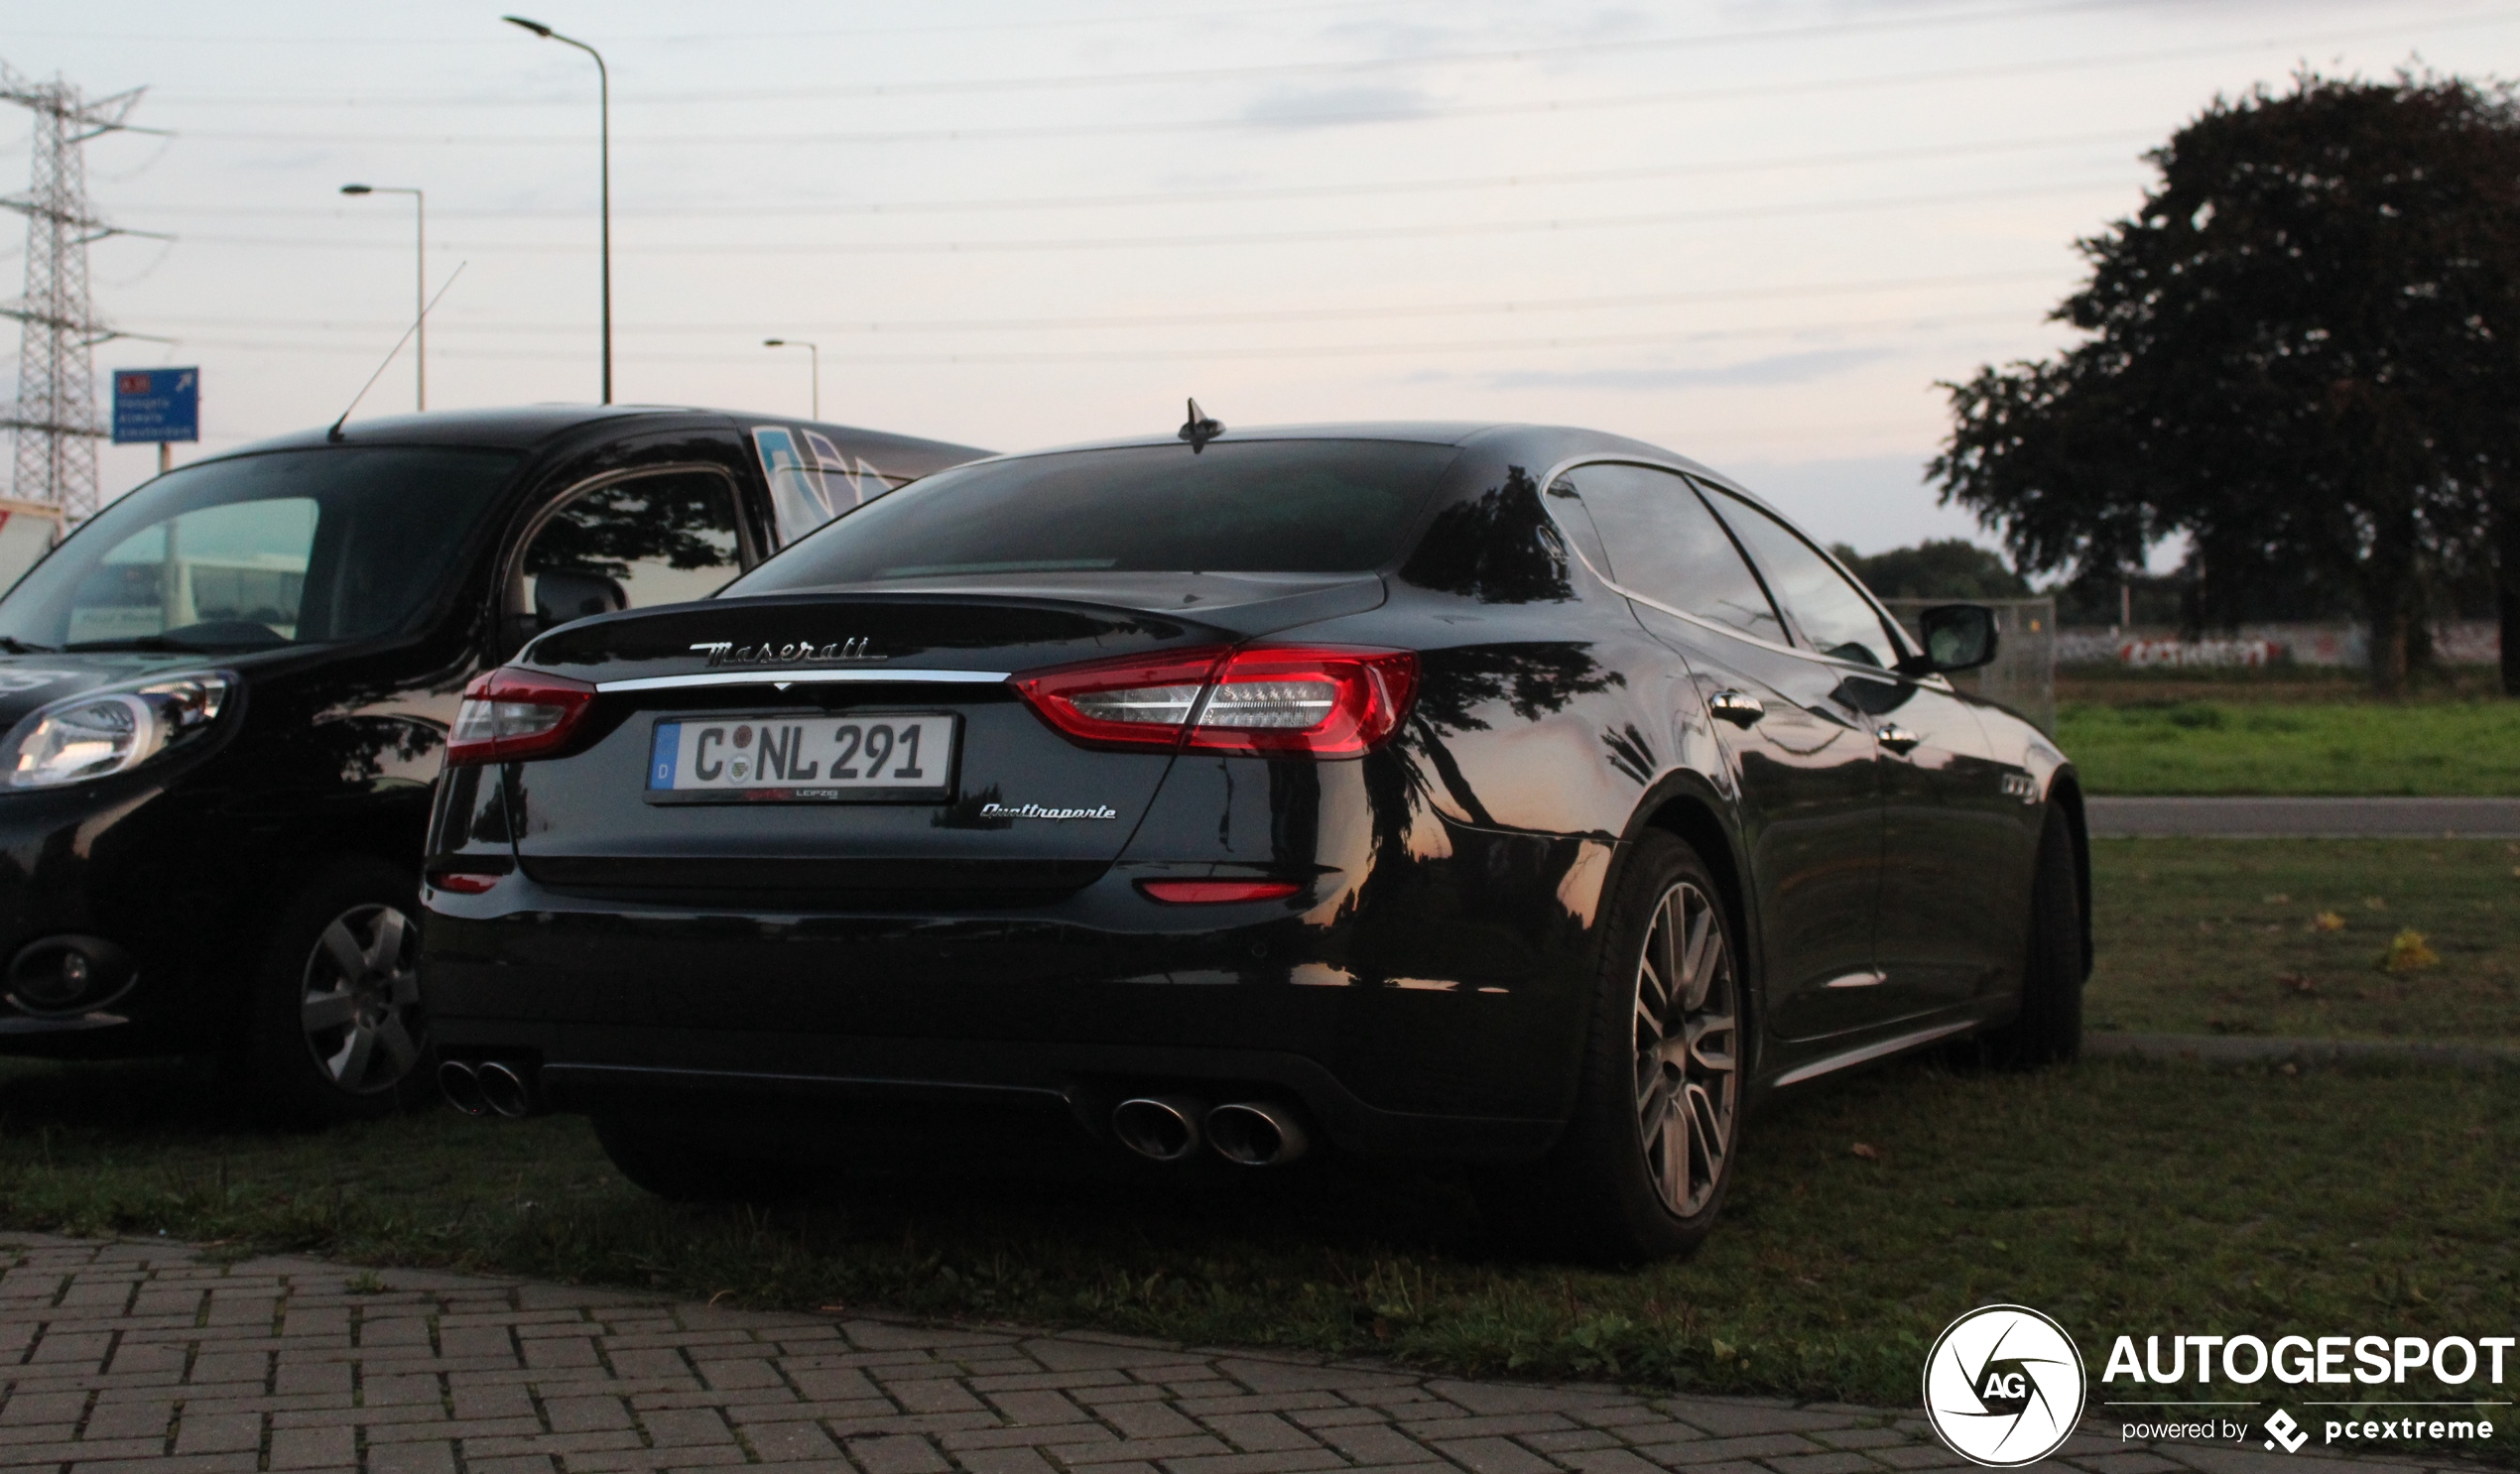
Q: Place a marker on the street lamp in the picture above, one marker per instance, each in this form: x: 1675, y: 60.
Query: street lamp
x: 812, y: 348
x: 603, y: 85
x: 420, y: 288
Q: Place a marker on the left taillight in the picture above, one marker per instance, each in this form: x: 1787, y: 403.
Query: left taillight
x: 1325, y: 702
x: 511, y: 714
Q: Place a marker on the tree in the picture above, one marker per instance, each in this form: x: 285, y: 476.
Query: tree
x: 1945, y: 568
x: 2304, y: 353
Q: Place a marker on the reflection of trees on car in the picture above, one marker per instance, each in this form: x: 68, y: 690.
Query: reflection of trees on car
x: 678, y: 521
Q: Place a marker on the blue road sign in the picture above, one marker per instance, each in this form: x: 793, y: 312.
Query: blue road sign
x: 158, y: 405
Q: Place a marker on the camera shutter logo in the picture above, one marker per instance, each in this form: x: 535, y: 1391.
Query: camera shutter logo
x: 2004, y: 1386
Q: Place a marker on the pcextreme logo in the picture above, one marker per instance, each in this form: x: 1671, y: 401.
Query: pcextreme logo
x: 2004, y: 1386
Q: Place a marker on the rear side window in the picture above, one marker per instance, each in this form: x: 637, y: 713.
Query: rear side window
x: 1836, y: 618
x: 1239, y: 507
x: 1662, y: 542
x: 654, y: 540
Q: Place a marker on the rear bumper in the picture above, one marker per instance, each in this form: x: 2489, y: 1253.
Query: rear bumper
x: 1399, y: 1032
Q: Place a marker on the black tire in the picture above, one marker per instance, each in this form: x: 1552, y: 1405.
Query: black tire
x: 335, y: 1029
x: 1646, y: 1160
x: 2048, y: 1029
x: 682, y: 1171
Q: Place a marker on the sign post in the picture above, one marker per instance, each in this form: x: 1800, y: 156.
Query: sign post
x: 160, y: 404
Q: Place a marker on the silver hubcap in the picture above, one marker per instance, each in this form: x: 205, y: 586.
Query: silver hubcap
x: 1688, y: 1084
x: 359, y: 1005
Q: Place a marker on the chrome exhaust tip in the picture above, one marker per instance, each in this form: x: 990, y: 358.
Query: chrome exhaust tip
x: 462, y: 1087
x: 1159, y: 1128
x: 504, y: 1089
x: 1256, y: 1132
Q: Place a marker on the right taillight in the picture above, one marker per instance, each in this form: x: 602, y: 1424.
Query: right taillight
x: 511, y: 714
x: 1325, y: 702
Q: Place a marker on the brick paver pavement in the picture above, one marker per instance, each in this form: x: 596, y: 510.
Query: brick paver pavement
x: 124, y: 1355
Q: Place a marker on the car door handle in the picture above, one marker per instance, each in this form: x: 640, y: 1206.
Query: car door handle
x: 1895, y: 737
x: 1737, y: 707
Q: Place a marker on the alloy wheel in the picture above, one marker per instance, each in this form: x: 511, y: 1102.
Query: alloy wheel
x: 359, y: 1005
x: 1687, y: 1022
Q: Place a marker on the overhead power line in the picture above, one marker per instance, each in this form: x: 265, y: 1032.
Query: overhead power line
x: 1195, y: 75
x: 1062, y: 23
x: 1129, y: 321
x: 1405, y: 112
x: 1324, y: 236
x: 1307, y: 351
x: 1374, y: 189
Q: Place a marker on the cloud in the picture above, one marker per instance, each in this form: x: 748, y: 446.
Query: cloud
x: 1313, y: 107
x: 1778, y: 368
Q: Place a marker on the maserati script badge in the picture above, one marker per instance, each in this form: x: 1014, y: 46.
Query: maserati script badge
x: 725, y: 653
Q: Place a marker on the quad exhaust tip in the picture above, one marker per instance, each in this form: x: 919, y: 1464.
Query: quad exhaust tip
x: 1159, y: 1128
x: 1256, y: 1132
x: 493, y: 1087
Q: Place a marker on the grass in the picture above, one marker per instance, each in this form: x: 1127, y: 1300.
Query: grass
x: 2223, y: 746
x: 2123, y: 1197
x: 2224, y: 936
x: 2287, y: 730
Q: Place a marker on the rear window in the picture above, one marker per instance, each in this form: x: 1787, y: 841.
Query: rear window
x: 1239, y: 507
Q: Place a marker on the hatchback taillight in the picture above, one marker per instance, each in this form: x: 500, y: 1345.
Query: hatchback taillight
x: 1325, y: 702
x: 511, y: 714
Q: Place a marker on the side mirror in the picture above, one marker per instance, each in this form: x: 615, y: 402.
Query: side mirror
x: 1958, y: 637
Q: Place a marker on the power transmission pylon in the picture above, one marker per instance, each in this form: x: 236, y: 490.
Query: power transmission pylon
x: 56, y: 421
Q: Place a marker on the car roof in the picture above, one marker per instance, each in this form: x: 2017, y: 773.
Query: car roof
x: 529, y: 426
x: 1553, y: 442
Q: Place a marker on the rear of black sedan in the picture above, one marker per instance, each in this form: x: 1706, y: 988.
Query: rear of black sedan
x: 1250, y: 796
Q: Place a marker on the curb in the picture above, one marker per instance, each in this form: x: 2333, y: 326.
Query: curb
x: 2221, y: 1048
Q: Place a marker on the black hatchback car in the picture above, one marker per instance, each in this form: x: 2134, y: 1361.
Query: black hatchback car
x: 1525, y: 795
x: 226, y: 696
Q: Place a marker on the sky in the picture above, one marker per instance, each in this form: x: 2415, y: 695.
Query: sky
x: 1758, y: 234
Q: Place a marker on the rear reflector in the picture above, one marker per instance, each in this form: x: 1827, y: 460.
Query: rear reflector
x: 512, y: 714
x: 1213, y: 891
x: 463, y: 882
x: 1323, y: 701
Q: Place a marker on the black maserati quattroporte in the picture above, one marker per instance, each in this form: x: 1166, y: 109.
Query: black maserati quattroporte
x: 1523, y: 795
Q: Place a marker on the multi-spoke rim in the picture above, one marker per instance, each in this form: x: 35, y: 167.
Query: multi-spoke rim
x: 359, y: 1003
x: 1687, y: 1080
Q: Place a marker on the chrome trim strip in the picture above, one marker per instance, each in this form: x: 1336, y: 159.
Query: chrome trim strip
x: 1869, y: 1053
x: 895, y: 673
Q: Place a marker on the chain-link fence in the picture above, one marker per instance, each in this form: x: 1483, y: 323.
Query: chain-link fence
x: 2023, y: 674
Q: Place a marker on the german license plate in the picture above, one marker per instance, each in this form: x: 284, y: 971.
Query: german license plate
x: 798, y: 759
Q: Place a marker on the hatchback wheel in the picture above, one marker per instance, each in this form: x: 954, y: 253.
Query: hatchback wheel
x: 1643, y: 1166
x: 340, y: 1033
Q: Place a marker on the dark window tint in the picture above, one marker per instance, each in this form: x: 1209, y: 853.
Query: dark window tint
x: 1835, y: 617
x: 656, y: 540
x: 1664, y: 543
x: 1257, y: 506
x: 299, y: 546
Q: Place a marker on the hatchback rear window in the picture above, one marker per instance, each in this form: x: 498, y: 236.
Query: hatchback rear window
x: 1237, y: 507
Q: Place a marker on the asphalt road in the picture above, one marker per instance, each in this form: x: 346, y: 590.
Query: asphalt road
x: 2304, y: 818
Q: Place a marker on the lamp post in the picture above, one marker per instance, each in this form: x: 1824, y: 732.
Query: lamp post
x: 817, y: 352
x: 603, y: 92
x: 419, y: 288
